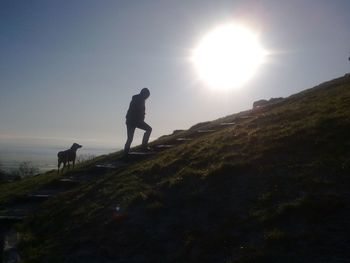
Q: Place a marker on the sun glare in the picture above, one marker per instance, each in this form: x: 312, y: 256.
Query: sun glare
x: 228, y: 56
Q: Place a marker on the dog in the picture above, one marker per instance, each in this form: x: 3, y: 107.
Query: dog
x: 68, y: 156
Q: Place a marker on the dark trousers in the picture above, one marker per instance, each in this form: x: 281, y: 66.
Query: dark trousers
x: 131, y: 130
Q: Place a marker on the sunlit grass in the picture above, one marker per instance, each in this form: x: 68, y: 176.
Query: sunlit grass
x: 269, y: 189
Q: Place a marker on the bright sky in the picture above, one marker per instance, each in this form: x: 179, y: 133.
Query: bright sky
x: 68, y: 68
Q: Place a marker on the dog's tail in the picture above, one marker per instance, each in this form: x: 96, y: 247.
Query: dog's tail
x: 59, y: 154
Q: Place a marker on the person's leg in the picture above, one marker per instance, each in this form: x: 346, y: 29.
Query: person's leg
x: 131, y: 131
x: 148, y: 129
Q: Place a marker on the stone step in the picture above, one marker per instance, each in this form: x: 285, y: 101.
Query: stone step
x: 205, y: 131
x: 69, y: 180
x: 137, y: 156
x: 44, y: 194
x: 21, y: 206
x: 85, y: 178
x: 164, y: 146
x: 184, y: 139
x: 112, y: 165
x: 14, y: 212
x: 227, y: 123
x: 141, y: 153
x: 107, y: 166
x: 247, y: 117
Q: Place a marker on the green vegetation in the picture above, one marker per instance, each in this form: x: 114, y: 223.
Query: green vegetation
x: 274, y: 187
x: 26, y: 169
x: 2, y: 174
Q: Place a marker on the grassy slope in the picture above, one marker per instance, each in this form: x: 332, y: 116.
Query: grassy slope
x: 271, y: 188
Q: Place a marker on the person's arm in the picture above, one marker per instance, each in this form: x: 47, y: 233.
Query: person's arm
x: 137, y: 108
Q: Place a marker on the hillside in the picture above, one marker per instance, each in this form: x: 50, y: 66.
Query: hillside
x: 265, y: 185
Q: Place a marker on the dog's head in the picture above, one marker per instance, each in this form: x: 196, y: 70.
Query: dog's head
x: 76, y: 146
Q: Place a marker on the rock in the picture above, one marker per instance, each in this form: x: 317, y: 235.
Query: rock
x: 199, y: 125
x: 259, y: 103
x: 262, y: 103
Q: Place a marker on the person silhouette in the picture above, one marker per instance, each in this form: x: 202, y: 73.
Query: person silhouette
x: 135, y: 118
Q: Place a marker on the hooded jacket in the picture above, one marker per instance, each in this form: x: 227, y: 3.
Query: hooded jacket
x: 136, y: 111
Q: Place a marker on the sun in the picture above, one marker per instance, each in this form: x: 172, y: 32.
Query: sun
x: 228, y: 56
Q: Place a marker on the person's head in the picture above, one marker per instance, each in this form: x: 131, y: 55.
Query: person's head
x: 145, y: 93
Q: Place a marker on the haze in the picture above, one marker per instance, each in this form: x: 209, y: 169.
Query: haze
x: 68, y: 69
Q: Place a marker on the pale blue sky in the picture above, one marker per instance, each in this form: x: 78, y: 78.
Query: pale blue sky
x: 68, y: 68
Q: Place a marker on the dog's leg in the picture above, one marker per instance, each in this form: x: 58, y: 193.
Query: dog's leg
x: 58, y: 167
x: 64, y: 165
